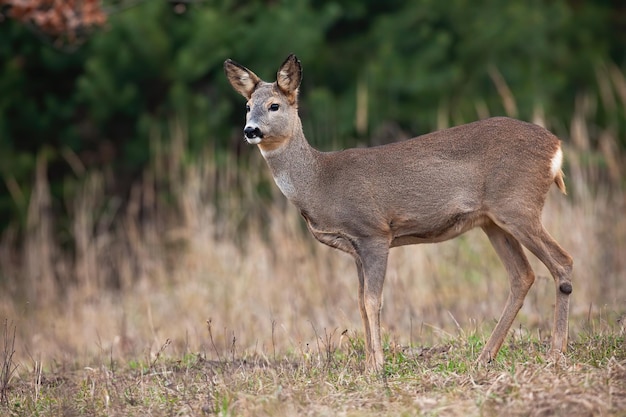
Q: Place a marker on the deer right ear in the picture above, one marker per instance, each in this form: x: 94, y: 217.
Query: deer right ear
x: 241, y: 78
x: 289, y: 76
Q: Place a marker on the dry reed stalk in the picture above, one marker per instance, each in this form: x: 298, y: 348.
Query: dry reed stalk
x: 39, y: 250
x: 8, y: 365
x: 508, y: 99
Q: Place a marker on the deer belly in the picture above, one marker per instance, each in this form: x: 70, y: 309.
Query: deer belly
x: 431, y: 233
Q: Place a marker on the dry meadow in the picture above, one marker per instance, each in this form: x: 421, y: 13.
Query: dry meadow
x: 185, y: 306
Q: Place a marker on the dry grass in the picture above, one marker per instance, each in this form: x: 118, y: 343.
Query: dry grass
x: 329, y: 380
x: 120, y: 328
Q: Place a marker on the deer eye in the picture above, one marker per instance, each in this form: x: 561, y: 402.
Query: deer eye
x: 247, y: 107
x: 274, y: 107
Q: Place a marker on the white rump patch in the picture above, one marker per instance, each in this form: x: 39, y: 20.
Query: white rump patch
x: 557, y: 161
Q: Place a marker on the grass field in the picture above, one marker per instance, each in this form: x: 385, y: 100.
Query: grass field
x: 182, y: 308
x: 329, y: 379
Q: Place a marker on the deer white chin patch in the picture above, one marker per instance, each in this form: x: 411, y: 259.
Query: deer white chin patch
x: 254, y: 141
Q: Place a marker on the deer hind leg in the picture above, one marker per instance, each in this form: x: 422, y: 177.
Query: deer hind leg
x: 371, y: 259
x: 559, y: 263
x: 521, y: 278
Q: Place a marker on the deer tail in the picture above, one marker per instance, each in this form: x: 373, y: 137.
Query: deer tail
x: 558, y: 180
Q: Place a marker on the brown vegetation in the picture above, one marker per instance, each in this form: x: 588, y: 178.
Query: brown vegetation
x: 120, y: 323
x: 56, y: 17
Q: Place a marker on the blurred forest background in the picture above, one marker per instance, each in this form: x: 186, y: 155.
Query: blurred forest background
x: 120, y: 136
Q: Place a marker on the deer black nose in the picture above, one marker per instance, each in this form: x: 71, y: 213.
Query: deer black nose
x: 252, y: 132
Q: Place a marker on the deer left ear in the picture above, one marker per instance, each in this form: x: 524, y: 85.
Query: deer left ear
x: 289, y: 76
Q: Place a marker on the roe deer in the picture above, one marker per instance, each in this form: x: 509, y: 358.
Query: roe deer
x: 493, y: 174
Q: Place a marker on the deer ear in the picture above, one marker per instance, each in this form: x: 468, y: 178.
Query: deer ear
x: 241, y: 78
x: 289, y: 76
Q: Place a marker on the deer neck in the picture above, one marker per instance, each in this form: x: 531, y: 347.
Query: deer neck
x: 294, y: 166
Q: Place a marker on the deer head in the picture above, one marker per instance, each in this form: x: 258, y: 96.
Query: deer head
x: 272, y: 108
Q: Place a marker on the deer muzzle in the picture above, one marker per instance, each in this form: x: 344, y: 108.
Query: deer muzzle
x: 253, y: 134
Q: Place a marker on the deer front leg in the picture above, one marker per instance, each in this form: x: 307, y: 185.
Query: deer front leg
x: 366, y: 326
x: 372, y: 264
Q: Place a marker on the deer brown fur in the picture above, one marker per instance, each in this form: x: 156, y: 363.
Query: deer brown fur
x: 494, y: 174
